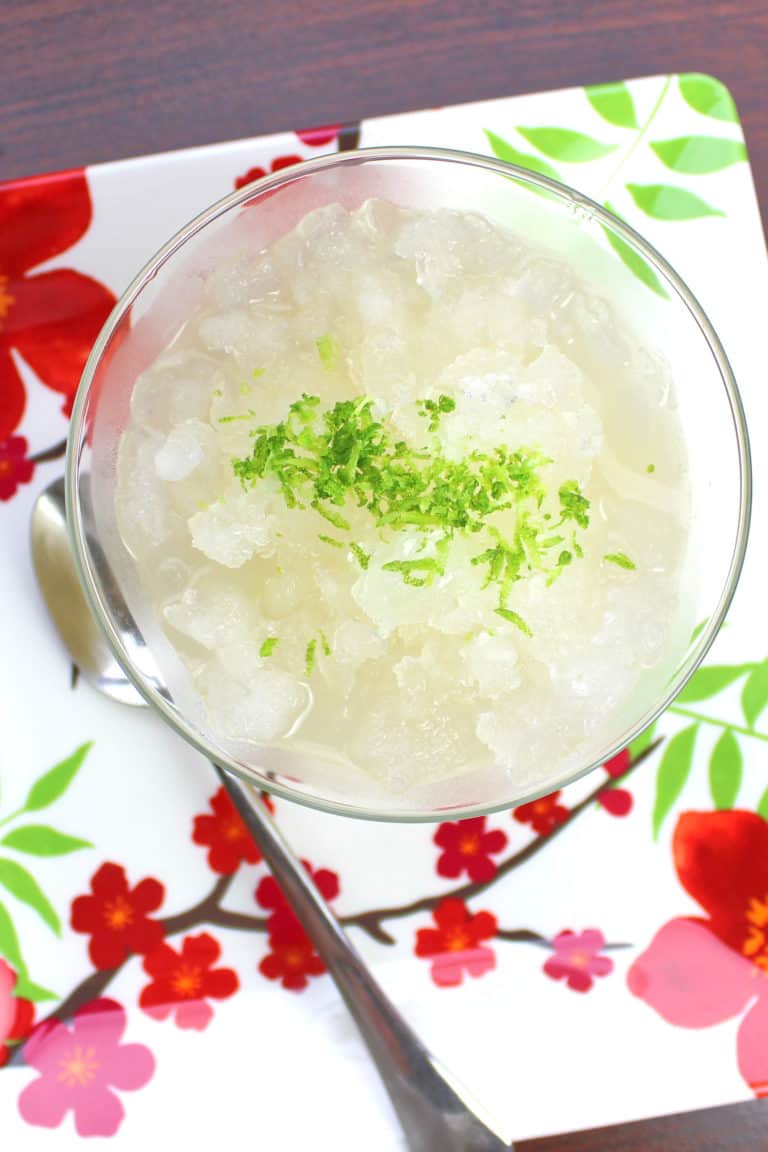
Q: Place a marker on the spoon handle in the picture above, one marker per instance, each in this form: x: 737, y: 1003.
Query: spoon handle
x: 435, y: 1111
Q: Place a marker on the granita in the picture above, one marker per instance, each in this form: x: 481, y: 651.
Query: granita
x: 406, y: 495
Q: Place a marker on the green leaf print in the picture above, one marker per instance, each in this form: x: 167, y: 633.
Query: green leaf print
x: 566, y: 145
x: 26, y: 889
x: 666, y: 202
x: 674, y: 770
x: 505, y: 151
x: 726, y: 766
x: 28, y: 990
x: 9, y: 941
x: 614, y: 103
x: 699, y: 155
x: 698, y: 630
x: 709, y: 681
x: 54, y: 783
x: 754, y: 696
x: 762, y: 807
x: 40, y: 840
x: 632, y: 259
x: 706, y: 95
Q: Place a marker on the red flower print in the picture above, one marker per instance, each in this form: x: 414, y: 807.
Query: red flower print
x: 291, y: 957
x: 15, y: 468
x: 577, y: 959
x: 618, y: 764
x: 543, y: 814
x: 317, y: 137
x: 270, y: 895
x: 79, y: 1065
x: 468, y: 847
x: 16, y: 1015
x: 616, y: 801
x: 257, y: 172
x: 50, y: 319
x: 225, y: 834
x: 183, y: 981
x: 454, y: 945
x: 700, y: 971
x: 115, y: 916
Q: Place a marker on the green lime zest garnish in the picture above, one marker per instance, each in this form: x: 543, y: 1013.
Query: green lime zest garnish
x: 343, y: 457
x: 257, y: 372
x: 330, y: 540
x: 418, y: 573
x: 269, y: 646
x: 573, y: 504
x: 310, y: 657
x: 651, y: 468
x: 328, y: 348
x: 360, y: 555
x: 434, y: 409
x: 564, y: 559
x: 514, y: 618
x: 621, y: 560
x: 249, y: 415
x: 332, y: 517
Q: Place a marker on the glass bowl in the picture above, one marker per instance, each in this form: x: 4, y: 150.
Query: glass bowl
x: 605, y: 254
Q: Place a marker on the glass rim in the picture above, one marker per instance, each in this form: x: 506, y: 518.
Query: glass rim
x: 569, y: 196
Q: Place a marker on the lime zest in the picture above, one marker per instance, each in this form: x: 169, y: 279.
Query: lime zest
x: 434, y: 409
x: 310, y: 657
x: 268, y: 647
x: 257, y: 372
x: 328, y: 350
x: 410, y: 569
x: 650, y: 468
x: 332, y: 517
x: 621, y: 560
x: 342, y: 455
x: 514, y: 618
x: 362, y: 557
x: 330, y: 540
x: 573, y: 504
x: 249, y: 415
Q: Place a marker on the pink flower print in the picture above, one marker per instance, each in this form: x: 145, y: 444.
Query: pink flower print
x: 699, y: 971
x: 577, y: 959
x: 79, y: 1065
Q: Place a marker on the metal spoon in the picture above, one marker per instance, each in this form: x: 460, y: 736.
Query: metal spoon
x: 436, y: 1113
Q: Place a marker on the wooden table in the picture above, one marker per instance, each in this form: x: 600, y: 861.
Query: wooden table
x: 84, y: 80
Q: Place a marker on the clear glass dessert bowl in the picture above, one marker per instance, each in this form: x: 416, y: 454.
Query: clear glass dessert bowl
x: 604, y: 256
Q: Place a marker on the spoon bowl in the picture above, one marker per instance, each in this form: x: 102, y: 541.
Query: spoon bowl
x: 63, y: 594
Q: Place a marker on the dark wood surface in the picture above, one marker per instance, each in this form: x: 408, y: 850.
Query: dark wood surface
x: 89, y: 80
x: 739, y: 1128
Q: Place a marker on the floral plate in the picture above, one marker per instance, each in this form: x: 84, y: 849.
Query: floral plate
x: 597, y: 956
